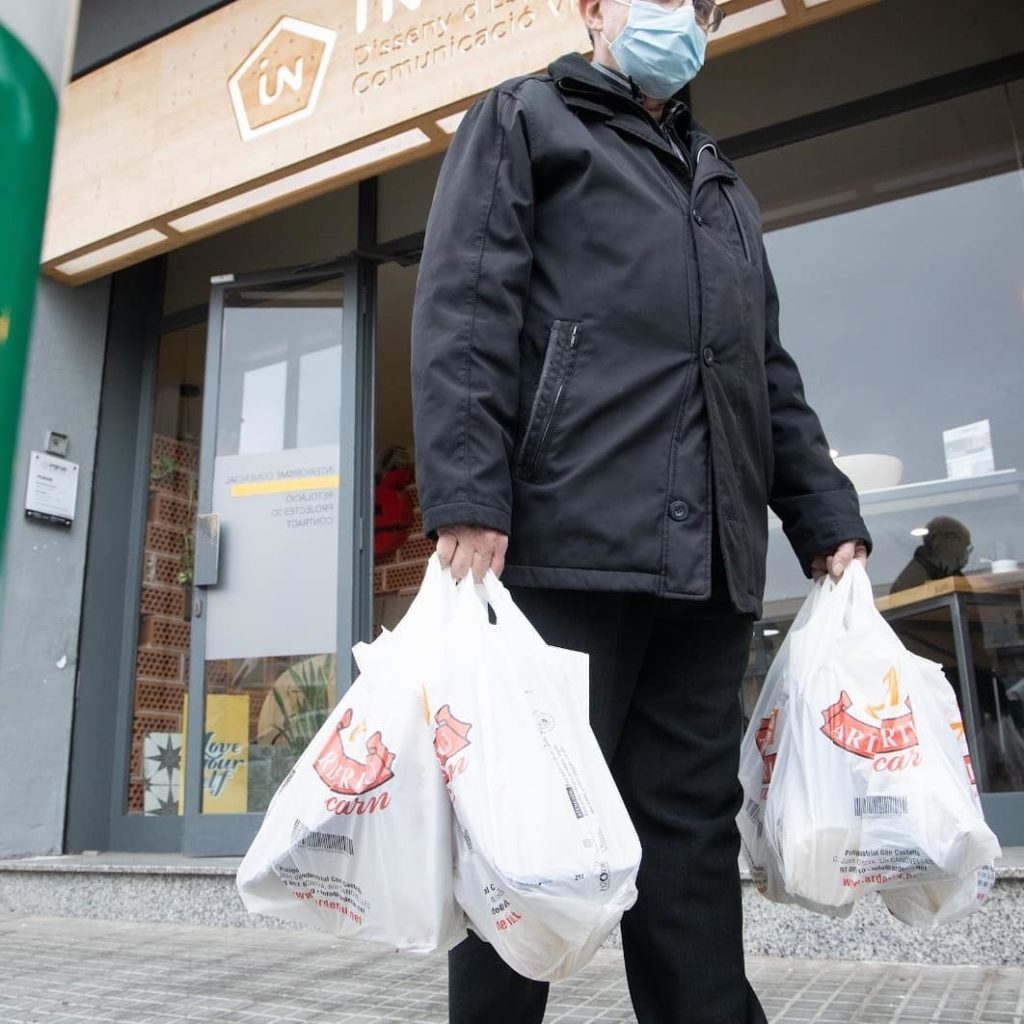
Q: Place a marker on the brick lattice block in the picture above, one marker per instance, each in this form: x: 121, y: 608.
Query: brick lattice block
x: 164, y: 540
x: 416, y: 548
x: 417, y: 521
x: 178, y: 483
x: 218, y: 675
x: 167, y: 510
x: 160, y: 664
x: 404, y: 576
x: 158, y: 631
x: 136, y: 799
x: 378, y: 581
x: 163, y: 569
x: 157, y: 696
x: 157, y: 600
x: 181, y: 453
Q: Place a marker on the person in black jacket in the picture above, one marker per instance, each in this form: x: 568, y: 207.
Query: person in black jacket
x: 603, y: 413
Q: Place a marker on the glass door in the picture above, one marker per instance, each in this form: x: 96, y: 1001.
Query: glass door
x: 279, y: 567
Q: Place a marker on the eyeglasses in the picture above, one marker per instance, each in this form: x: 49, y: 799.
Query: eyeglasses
x: 709, y: 15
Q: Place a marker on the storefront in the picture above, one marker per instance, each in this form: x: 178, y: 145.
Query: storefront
x: 257, y: 183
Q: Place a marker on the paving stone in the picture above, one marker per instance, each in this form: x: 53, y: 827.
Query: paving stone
x: 67, y: 971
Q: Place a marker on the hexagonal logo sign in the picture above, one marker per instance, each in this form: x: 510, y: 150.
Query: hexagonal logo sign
x: 280, y: 81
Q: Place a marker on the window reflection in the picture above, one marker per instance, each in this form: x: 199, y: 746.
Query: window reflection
x: 898, y: 250
x: 271, y: 622
x: 262, y: 425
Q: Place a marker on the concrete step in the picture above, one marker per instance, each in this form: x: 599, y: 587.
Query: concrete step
x: 164, y: 887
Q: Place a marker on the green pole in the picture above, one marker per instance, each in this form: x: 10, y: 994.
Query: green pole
x: 28, y: 117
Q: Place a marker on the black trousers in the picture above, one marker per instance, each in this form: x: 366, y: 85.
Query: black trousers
x: 664, y: 704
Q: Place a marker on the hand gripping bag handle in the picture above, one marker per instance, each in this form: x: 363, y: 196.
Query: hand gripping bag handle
x: 835, y: 608
x: 850, y: 601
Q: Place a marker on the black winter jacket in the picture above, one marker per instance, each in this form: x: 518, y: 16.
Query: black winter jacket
x: 596, y: 354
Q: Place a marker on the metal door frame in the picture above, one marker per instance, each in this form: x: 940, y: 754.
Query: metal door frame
x: 229, y: 834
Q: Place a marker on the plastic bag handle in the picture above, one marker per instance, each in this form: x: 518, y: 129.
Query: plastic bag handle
x: 435, y: 600
x: 846, y: 605
x: 506, y: 611
x: 470, y: 601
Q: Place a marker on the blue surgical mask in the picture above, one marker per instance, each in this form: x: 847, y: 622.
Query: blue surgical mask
x: 660, y: 49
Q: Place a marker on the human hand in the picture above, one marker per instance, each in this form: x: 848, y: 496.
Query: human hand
x: 471, y: 547
x: 835, y: 564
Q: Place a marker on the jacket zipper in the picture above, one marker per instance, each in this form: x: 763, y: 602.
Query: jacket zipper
x: 739, y: 225
x: 554, y: 404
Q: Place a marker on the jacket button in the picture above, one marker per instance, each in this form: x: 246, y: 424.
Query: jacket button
x: 679, y: 510
x: 709, y: 355
x: 697, y: 217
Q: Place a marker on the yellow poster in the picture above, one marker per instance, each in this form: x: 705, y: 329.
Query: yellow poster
x: 225, y: 754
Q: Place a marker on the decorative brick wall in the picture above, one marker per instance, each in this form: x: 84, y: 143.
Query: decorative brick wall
x: 403, y: 572
x: 161, y: 660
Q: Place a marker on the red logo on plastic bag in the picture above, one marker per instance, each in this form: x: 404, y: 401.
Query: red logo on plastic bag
x: 876, y: 742
x: 344, y: 774
x: 450, y: 736
x: 764, y: 738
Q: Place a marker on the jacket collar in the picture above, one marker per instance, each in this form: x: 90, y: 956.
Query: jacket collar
x: 582, y: 86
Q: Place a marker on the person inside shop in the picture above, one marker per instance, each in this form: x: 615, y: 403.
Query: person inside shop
x: 943, y: 552
x: 603, y: 411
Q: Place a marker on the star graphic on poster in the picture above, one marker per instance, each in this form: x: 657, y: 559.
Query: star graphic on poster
x: 168, y: 807
x: 168, y: 758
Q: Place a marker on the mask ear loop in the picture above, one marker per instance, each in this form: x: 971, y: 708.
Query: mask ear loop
x: 607, y: 41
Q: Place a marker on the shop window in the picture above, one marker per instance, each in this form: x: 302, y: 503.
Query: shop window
x: 278, y: 399
x: 898, y: 250
x: 161, y: 660
x: 401, y: 550
x: 271, y: 621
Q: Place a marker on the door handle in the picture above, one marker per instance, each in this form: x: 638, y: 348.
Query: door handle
x: 206, y: 567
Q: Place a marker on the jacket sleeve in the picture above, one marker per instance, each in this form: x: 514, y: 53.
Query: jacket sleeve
x: 815, y: 500
x: 467, y: 319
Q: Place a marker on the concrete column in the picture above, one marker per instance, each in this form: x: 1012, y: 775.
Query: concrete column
x: 59, y: 357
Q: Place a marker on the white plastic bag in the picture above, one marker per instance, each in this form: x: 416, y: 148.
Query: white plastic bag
x: 357, y: 840
x: 927, y: 904
x: 869, y: 790
x: 758, y: 757
x: 546, y: 853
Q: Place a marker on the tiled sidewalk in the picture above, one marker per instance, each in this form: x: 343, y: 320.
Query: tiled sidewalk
x: 67, y: 971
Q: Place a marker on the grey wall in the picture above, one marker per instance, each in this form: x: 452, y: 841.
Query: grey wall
x: 45, y: 567
x: 887, y: 45
x: 108, y: 28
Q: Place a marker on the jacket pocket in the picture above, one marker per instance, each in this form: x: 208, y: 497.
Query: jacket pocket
x: 740, y: 229
x: 559, y: 360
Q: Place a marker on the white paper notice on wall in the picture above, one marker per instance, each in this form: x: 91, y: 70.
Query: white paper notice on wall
x: 969, y: 450
x: 52, y: 489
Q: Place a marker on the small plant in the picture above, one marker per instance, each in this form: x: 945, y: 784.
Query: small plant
x: 311, y: 683
x: 165, y: 466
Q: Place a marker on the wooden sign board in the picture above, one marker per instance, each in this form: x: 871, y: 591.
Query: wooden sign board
x: 257, y: 106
